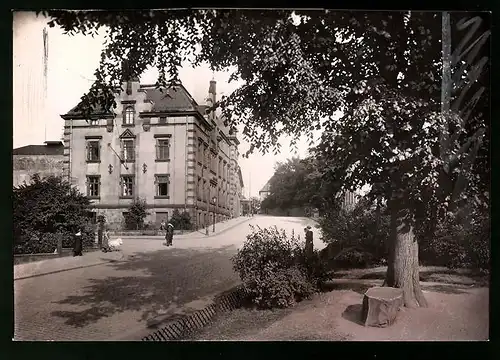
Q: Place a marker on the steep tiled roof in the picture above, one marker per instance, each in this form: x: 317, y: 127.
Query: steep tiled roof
x: 97, y: 109
x: 39, y: 150
x: 176, y: 98
x: 266, y: 188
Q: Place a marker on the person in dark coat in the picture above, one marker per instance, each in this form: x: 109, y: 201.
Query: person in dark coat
x: 77, y: 249
x: 169, y: 234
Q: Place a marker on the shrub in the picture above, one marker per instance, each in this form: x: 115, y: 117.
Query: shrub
x: 37, y: 244
x: 274, y: 270
x: 358, y: 236
x: 460, y: 241
x: 134, y: 219
x: 181, y: 221
x: 46, y: 209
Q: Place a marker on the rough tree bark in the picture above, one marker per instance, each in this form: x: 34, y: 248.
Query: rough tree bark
x: 403, y: 266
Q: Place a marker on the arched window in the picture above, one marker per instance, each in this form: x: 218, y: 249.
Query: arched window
x: 128, y: 116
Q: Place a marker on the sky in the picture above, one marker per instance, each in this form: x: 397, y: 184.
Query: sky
x: 72, y: 61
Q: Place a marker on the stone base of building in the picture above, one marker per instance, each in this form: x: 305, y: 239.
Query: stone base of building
x: 115, y: 218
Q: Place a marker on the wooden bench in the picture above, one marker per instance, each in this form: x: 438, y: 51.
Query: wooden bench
x: 381, y: 306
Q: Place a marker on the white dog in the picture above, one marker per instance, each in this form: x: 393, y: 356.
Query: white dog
x: 115, y: 244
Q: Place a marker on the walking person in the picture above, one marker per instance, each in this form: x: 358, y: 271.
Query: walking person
x: 169, y: 234
x: 77, y: 248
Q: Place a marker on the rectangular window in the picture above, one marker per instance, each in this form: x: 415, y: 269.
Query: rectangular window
x: 128, y: 150
x: 162, y: 149
x: 162, y: 185
x: 94, y: 122
x: 127, y: 185
x: 93, y: 151
x: 93, y: 184
x: 163, y: 120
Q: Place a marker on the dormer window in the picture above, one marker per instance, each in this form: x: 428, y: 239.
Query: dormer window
x: 94, y: 122
x: 128, y: 115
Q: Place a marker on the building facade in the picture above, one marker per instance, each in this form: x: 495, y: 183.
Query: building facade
x: 265, y: 191
x: 161, y: 147
x: 45, y: 160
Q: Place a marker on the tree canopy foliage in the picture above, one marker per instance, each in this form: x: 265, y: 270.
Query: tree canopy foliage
x: 382, y: 69
x: 298, y: 183
x: 418, y: 139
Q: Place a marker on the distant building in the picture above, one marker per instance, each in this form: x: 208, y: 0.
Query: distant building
x: 162, y: 147
x: 45, y: 160
x: 265, y: 191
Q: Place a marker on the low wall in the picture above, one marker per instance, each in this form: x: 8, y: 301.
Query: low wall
x: 298, y: 212
x: 146, y: 232
x: 27, y: 258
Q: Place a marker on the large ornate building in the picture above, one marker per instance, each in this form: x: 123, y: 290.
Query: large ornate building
x: 161, y: 147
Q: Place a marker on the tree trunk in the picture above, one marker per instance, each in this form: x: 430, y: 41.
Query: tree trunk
x: 403, y: 267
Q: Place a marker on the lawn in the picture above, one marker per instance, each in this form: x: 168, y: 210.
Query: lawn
x: 458, y: 310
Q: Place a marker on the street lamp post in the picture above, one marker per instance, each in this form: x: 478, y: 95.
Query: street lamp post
x: 214, y: 199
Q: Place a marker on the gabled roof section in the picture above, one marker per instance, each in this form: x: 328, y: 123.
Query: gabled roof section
x: 39, y: 150
x: 127, y: 134
x: 171, y: 100
x: 266, y: 188
x: 77, y: 112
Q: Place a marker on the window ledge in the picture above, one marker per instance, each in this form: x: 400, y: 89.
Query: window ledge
x: 161, y: 197
x: 93, y: 161
x: 159, y: 160
x: 93, y: 197
x: 126, y: 197
x: 128, y: 125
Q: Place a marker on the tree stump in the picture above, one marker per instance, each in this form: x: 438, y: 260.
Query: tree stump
x: 381, y: 306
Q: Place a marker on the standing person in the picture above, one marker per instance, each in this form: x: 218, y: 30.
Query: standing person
x: 169, y: 234
x: 105, y: 241
x: 162, y: 225
x: 77, y: 249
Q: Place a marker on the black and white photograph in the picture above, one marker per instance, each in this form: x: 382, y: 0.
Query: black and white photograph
x: 251, y: 175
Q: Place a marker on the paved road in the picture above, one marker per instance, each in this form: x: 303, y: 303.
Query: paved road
x: 119, y: 299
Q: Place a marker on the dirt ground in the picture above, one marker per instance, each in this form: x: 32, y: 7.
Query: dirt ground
x: 458, y: 310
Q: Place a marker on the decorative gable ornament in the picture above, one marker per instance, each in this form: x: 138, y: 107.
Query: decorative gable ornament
x: 127, y: 134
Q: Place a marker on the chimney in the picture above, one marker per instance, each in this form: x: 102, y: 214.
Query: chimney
x: 127, y: 76
x: 212, y: 95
